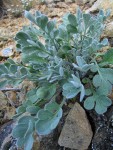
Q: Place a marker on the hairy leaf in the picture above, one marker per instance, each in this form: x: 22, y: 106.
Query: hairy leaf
x: 45, y: 126
x: 104, y: 80
x: 99, y: 102
x: 72, y: 20
x: 73, y: 87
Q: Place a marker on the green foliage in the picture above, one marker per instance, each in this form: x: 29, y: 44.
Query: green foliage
x: 48, y: 118
x: 100, y: 102
x: 71, y: 89
x: 63, y: 59
x: 107, y: 58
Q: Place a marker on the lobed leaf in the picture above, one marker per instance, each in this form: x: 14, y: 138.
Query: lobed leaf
x: 99, y: 102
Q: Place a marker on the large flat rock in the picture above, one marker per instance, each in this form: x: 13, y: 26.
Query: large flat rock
x: 76, y: 133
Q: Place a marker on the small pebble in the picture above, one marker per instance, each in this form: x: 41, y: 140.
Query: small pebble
x: 7, y: 52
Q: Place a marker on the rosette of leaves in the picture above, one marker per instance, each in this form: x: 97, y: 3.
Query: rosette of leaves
x: 60, y: 59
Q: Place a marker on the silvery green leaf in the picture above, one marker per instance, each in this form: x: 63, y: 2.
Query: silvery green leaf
x: 33, y: 58
x: 10, y: 61
x: 43, y: 54
x: 31, y: 42
x: 3, y: 69
x: 100, y: 102
x: 56, y: 119
x: 61, y: 71
x: 82, y: 94
x: 20, y: 130
x: 49, y: 76
x: 27, y: 102
x: 29, y: 16
x: 65, y: 19
x: 21, y: 109
x: 76, y: 67
x: 32, y: 109
x: 54, y: 78
x: 80, y: 61
x: 44, y: 114
x: 42, y: 21
x: 71, y: 29
x: 105, y: 88
x: 30, y: 49
x: 13, y: 69
x: 56, y: 59
x: 96, y: 81
x: 3, y: 83
x: 86, y: 18
x: 7, y: 65
x: 77, y: 85
x: 50, y: 26
x: 31, y: 95
x: 70, y: 91
x: 86, y: 67
x: 26, y: 120
x: 56, y: 33
x: 28, y: 142
x: 52, y: 107
x: 22, y: 38
x: 23, y: 133
x: 46, y: 92
x: 104, y: 80
x: 72, y: 20
x: 20, y: 142
x: 94, y: 68
x: 29, y: 129
x: 8, y: 76
x: 44, y: 127
x: 76, y: 79
x: 42, y: 47
x: 51, y: 90
x: 23, y: 71
x: 89, y: 103
x: 41, y: 92
x: 37, y: 13
x: 79, y: 14
x: 63, y: 34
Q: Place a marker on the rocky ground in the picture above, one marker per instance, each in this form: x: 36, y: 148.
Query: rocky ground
x: 98, y: 126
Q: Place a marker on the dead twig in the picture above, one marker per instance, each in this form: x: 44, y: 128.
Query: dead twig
x: 10, y: 89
